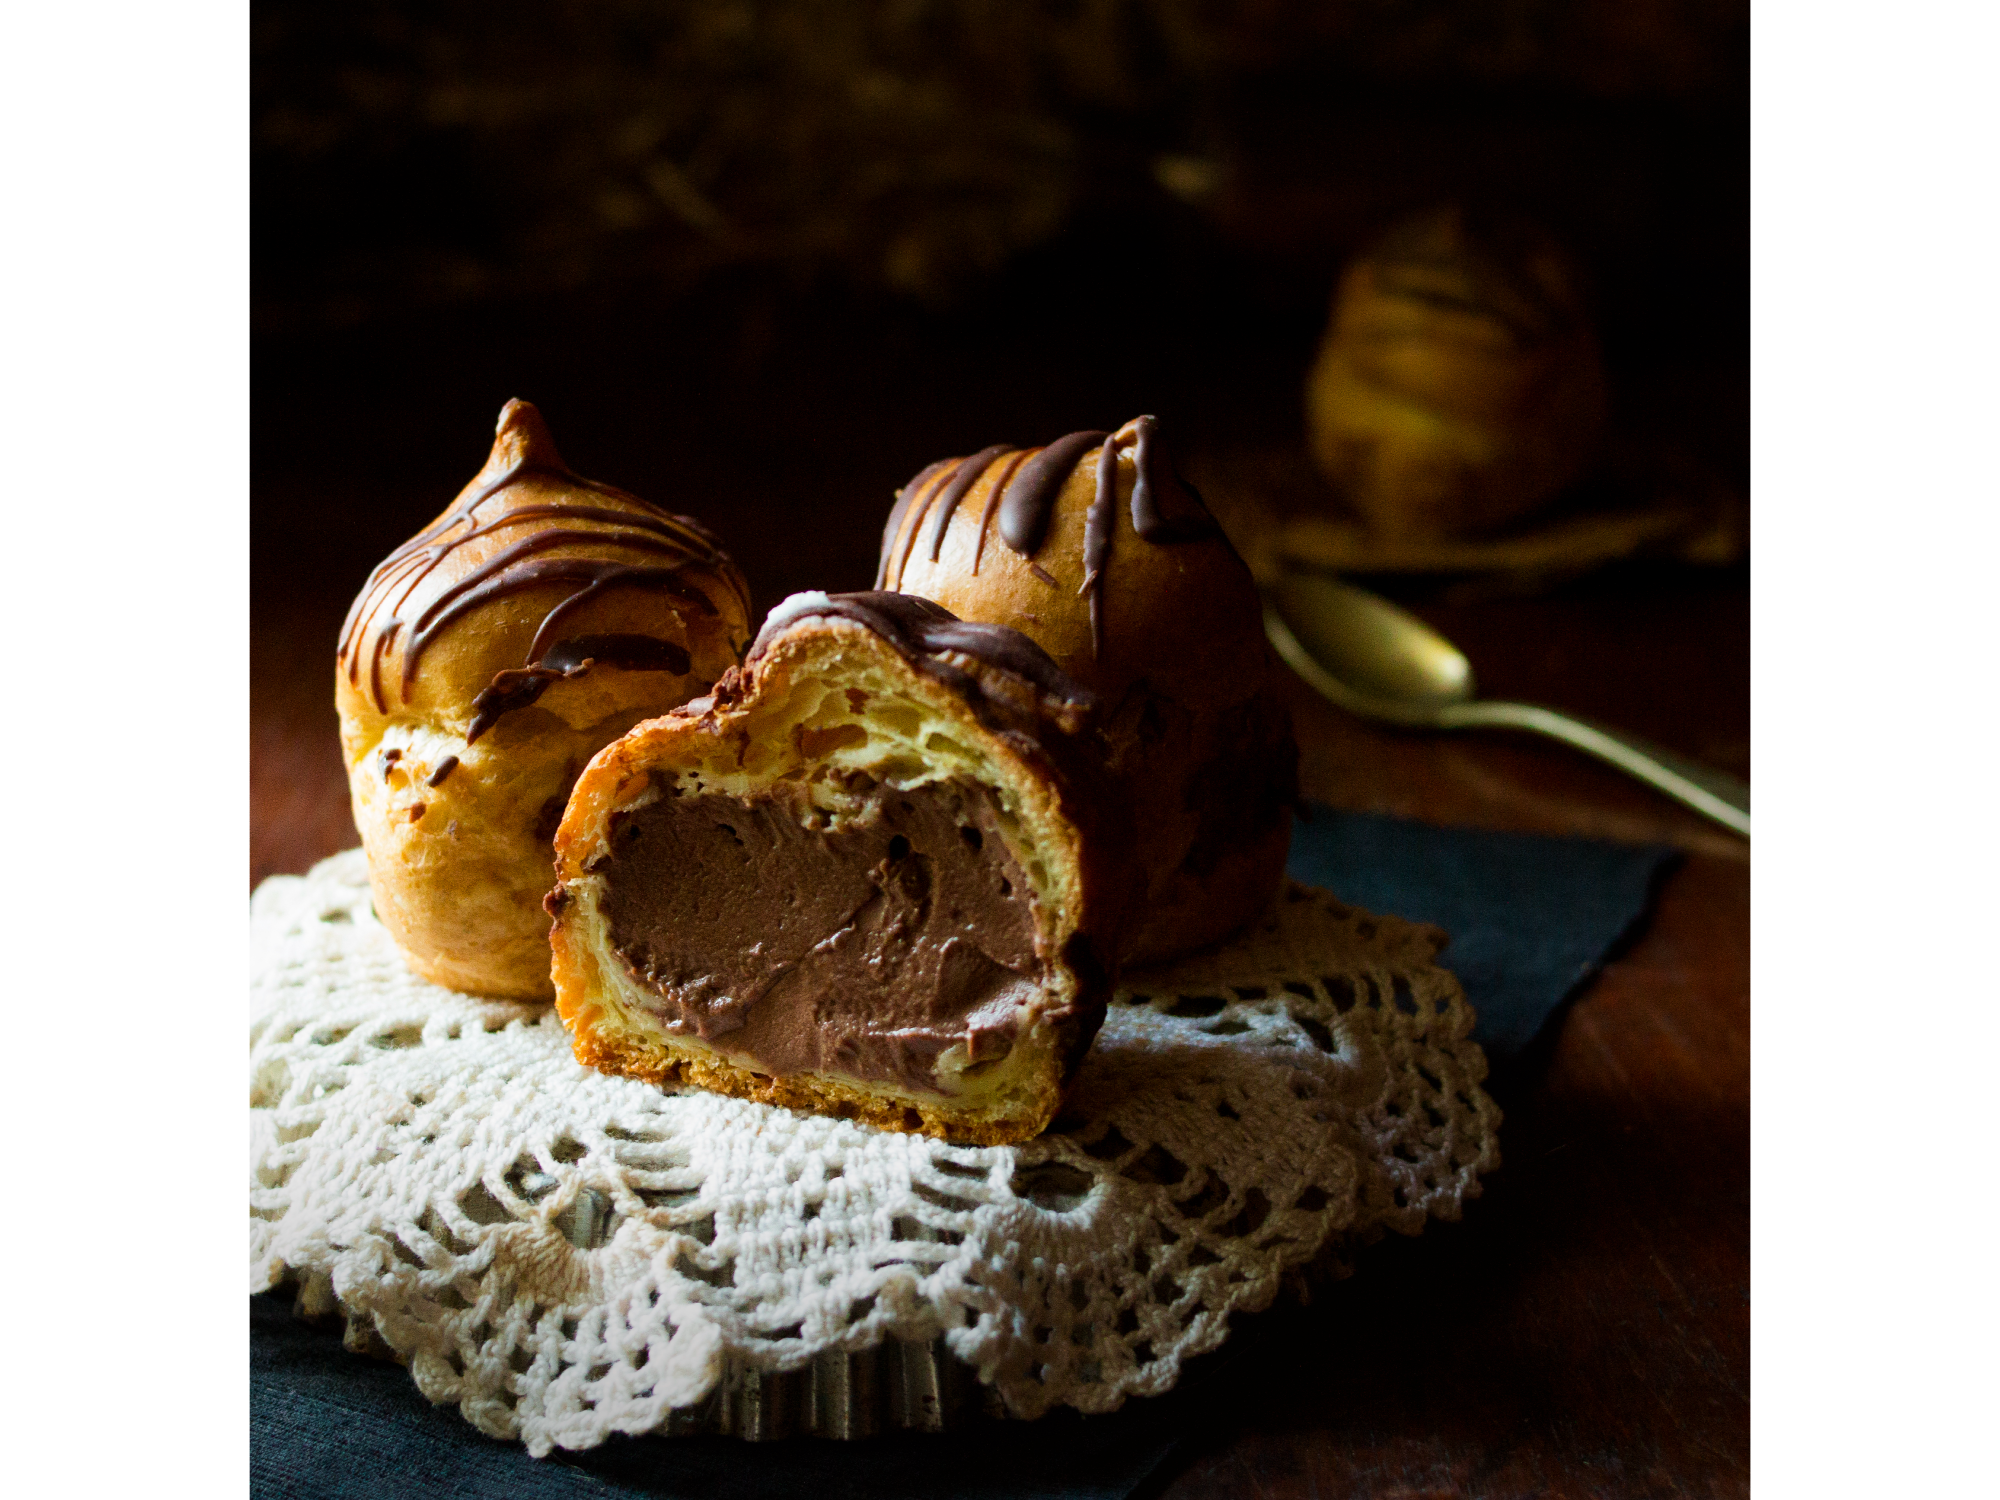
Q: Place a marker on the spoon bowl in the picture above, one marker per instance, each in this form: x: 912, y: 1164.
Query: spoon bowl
x: 1373, y: 659
x: 1371, y: 647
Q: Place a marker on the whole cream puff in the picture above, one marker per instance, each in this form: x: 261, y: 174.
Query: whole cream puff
x: 1096, y: 548
x: 1458, y: 389
x: 484, y: 663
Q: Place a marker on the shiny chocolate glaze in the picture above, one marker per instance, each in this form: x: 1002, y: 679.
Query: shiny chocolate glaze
x: 1191, y: 520
x: 962, y: 479
x: 866, y: 945
x: 1007, y: 473
x: 681, y: 543
x: 1030, y: 499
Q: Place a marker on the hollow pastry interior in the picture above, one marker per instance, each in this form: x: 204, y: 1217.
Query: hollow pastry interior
x: 846, y: 894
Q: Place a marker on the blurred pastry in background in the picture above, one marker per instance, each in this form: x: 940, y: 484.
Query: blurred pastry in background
x: 1459, y: 388
x: 484, y: 662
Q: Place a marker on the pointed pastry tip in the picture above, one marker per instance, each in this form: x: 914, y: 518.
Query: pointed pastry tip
x: 522, y: 438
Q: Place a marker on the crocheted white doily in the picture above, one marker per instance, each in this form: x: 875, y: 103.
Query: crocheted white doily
x: 568, y: 1255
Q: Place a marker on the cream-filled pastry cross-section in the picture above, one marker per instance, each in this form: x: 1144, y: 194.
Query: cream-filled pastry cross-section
x: 880, y: 873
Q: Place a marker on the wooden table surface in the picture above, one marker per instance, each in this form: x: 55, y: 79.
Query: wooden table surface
x: 1585, y: 1329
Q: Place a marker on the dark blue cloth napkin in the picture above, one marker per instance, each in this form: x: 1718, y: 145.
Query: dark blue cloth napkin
x: 1531, y: 919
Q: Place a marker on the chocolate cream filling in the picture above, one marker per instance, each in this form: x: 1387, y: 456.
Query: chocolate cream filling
x: 794, y: 943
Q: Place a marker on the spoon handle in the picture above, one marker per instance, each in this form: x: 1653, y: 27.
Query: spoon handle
x: 1714, y: 794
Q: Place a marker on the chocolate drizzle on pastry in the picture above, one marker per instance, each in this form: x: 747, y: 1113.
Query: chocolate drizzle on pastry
x: 518, y: 687
x: 962, y: 479
x: 681, y: 544
x: 993, y: 504
x: 894, y: 526
x: 1031, y: 498
x: 1098, y: 524
x: 1192, y: 522
x: 1165, y: 508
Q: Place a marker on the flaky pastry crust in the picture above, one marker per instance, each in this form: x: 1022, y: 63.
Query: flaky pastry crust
x: 822, y: 697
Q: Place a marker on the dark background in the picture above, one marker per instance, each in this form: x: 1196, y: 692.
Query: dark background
x: 761, y: 262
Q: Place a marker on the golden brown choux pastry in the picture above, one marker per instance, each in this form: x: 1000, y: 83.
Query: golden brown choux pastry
x: 1459, y: 386
x: 483, y: 664
x: 1097, y: 549
x: 871, y: 876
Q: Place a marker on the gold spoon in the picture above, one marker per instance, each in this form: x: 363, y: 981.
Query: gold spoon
x: 1372, y: 659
